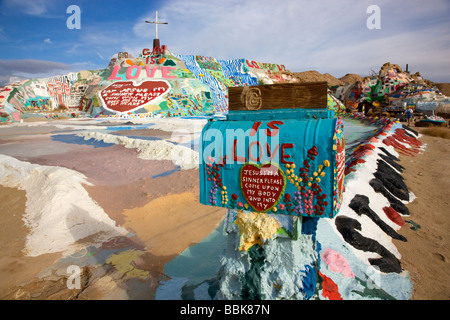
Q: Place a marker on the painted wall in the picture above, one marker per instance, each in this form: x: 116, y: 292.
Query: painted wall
x: 389, y: 80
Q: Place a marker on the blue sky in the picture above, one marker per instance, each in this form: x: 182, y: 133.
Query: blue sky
x: 325, y: 35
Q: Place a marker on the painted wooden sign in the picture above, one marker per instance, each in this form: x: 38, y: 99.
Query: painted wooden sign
x: 310, y: 95
x: 293, y: 165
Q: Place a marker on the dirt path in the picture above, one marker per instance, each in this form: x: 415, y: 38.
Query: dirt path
x: 426, y: 254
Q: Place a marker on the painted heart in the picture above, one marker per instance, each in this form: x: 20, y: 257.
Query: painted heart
x: 262, y: 185
x: 127, y: 96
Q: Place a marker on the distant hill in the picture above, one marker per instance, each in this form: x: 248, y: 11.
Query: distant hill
x: 351, y: 78
x: 444, y: 87
x: 313, y: 76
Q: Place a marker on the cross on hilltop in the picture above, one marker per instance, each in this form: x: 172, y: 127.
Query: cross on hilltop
x: 156, y: 22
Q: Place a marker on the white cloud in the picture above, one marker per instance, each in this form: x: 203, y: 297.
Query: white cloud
x: 327, y: 36
x: 230, y: 29
x: 100, y: 55
x: 29, y: 7
x: 37, y: 8
x: 29, y: 68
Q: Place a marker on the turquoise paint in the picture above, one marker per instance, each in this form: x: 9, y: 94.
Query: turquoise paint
x: 288, y: 139
x: 187, y: 264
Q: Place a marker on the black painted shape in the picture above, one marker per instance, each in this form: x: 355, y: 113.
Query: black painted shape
x: 360, y: 204
x: 390, y: 155
x: 392, y: 180
x: 386, y: 168
x: 410, y: 134
x: 347, y: 228
x: 392, y: 162
x: 398, y: 206
x: 412, y: 130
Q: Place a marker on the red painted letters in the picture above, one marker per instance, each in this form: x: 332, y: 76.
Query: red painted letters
x: 284, y: 155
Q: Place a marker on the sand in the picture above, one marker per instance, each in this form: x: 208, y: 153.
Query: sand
x: 15, y: 267
x: 426, y: 254
x: 314, y: 76
x: 141, y: 192
x: 163, y: 228
x: 170, y: 224
x: 351, y: 78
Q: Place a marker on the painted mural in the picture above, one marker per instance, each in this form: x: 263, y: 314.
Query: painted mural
x: 392, y: 90
x: 154, y: 85
x: 128, y: 96
x: 196, y: 85
x: 287, y: 252
x: 64, y: 92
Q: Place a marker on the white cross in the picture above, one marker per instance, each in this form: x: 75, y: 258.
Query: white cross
x: 156, y: 22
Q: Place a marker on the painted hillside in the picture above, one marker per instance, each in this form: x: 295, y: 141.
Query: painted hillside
x: 392, y: 88
x: 155, y: 84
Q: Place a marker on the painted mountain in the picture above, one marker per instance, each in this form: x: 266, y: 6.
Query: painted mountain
x: 155, y: 84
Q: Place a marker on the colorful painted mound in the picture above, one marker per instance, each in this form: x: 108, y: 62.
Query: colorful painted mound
x: 392, y: 90
x: 156, y: 84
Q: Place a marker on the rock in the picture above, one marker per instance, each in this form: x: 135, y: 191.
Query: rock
x: 351, y: 78
x: 315, y: 76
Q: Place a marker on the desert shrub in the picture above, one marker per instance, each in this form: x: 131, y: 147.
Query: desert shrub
x: 437, y: 132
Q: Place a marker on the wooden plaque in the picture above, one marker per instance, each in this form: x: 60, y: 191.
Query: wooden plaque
x: 308, y: 95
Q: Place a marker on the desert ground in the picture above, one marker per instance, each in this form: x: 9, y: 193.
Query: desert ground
x: 426, y: 253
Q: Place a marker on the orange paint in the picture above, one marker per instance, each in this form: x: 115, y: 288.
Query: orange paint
x: 330, y: 289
